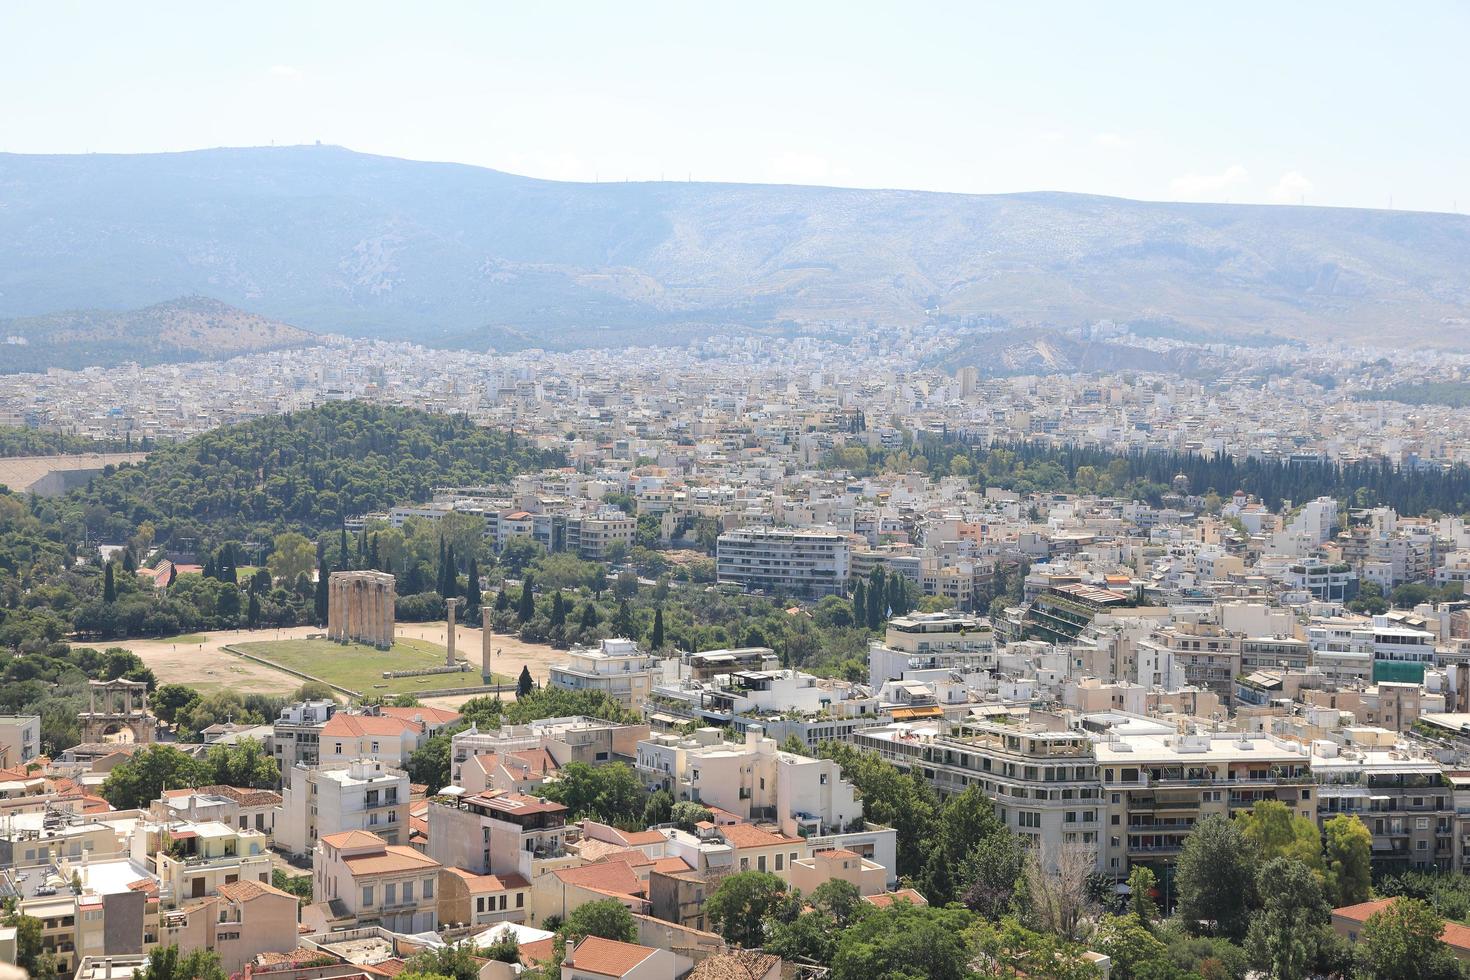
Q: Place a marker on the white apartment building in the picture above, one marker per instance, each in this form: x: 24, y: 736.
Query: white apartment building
x: 297, y: 732
x: 751, y: 779
x: 20, y: 739
x: 616, y: 667
x: 931, y: 641
x: 358, y: 879
x: 1041, y: 775
x: 1157, y: 783
x: 783, y: 561
x: 192, y: 860
x: 364, y: 794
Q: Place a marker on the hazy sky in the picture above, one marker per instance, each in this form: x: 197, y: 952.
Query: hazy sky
x: 1323, y: 102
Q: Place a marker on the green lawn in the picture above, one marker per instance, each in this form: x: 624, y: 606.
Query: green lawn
x: 360, y: 667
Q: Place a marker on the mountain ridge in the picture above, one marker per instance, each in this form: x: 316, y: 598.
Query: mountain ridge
x: 338, y: 241
x: 187, y: 328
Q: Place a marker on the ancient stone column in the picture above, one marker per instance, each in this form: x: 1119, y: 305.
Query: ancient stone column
x: 390, y: 613
x: 486, y: 635
x: 449, y: 607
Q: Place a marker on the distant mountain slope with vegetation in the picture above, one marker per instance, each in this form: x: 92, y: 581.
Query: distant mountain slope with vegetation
x: 188, y: 329
x: 302, y: 471
x: 1455, y: 394
x: 454, y: 255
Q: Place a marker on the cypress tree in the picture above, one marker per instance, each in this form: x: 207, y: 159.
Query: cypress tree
x: 590, y: 619
x: 657, y: 640
x: 502, y: 600
x: 897, y: 595
x: 127, y: 561
x: 252, y: 613
x: 524, y: 682
x: 876, y: 594
x: 373, y: 551
x: 342, y: 550
x: 527, y: 606
x: 448, y: 576
x: 859, y: 604
x: 473, y: 595
x: 209, y: 566
x: 558, y: 609
x: 109, y: 587
x: 173, y: 573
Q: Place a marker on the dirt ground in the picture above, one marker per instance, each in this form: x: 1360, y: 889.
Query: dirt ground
x: 209, y: 667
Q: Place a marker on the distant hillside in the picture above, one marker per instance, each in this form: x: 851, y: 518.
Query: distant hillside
x: 338, y: 241
x: 1033, y: 351
x: 188, y: 329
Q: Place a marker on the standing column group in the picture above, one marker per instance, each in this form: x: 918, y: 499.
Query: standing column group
x: 360, y: 607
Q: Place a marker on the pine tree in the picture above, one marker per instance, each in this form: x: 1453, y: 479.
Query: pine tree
x: 657, y: 640
x: 558, y: 609
x: 623, y: 622
x: 322, y: 576
x: 109, y: 587
x: 526, y: 609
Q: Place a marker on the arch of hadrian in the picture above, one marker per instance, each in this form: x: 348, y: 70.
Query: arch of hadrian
x: 360, y: 608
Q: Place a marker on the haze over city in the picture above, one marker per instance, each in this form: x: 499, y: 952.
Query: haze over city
x: 1344, y: 104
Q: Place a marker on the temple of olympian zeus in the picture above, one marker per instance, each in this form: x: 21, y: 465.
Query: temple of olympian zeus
x: 360, y: 608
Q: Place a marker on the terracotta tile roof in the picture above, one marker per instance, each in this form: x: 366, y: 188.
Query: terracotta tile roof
x: 630, y: 855
x: 535, y: 953
x: 245, y: 891
x: 735, y: 964
x: 902, y: 895
x: 1454, y: 934
x: 485, y: 884
x: 748, y: 835
x: 607, y: 957
x: 538, y: 761
x: 353, y: 838
x: 395, y: 857
x: 355, y: 726
x: 612, y: 877
x: 433, y: 716
x: 672, y: 866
